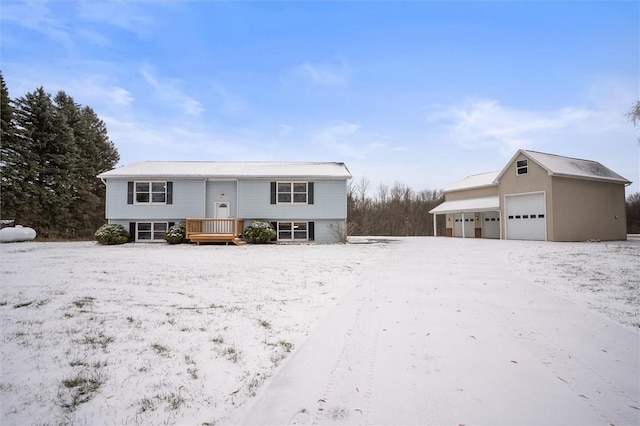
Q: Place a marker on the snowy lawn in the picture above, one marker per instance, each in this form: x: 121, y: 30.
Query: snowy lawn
x: 153, y: 334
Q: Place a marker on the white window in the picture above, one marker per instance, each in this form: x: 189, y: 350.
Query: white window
x: 292, y: 192
x: 151, y: 231
x: 293, y: 231
x: 150, y: 192
x: 522, y: 167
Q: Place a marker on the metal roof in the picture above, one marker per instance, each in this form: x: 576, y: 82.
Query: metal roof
x: 483, y: 204
x: 474, y: 181
x: 557, y: 165
x: 228, y: 170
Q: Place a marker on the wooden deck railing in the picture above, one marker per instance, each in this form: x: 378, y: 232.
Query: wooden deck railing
x: 212, y: 230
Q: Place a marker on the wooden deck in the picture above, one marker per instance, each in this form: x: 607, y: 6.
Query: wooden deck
x: 215, y: 231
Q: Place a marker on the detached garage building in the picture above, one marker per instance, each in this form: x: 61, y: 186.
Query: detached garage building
x: 538, y: 196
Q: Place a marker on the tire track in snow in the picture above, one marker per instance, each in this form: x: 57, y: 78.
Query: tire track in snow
x: 347, y: 395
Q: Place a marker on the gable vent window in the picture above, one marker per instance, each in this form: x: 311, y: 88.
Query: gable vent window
x: 522, y: 167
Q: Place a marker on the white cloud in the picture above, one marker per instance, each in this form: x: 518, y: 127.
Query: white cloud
x: 121, y: 14
x: 323, y: 74
x: 348, y: 140
x: 98, y: 90
x: 138, y: 140
x: 595, y: 127
x: 169, y: 91
x: 36, y: 16
x: 485, y: 123
x: 229, y: 102
x: 342, y: 138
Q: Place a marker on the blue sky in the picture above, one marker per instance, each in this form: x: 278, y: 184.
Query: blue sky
x: 423, y: 93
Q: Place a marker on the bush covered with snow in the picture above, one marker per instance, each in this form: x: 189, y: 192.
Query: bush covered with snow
x: 259, y: 232
x: 176, y: 233
x: 112, y: 233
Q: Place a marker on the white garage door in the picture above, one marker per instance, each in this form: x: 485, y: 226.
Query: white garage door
x: 491, y: 225
x: 469, y: 225
x: 525, y: 217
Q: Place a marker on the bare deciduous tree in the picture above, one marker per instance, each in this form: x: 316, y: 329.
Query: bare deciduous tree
x: 395, y: 211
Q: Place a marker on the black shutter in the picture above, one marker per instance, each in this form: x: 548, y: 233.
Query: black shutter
x: 311, y: 227
x: 273, y: 193
x: 132, y: 231
x: 275, y: 227
x: 169, y: 192
x: 129, y: 192
x: 310, y: 193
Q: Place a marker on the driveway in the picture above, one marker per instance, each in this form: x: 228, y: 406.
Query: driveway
x: 444, y: 331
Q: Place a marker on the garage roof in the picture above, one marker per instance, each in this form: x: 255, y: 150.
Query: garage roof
x: 474, y: 181
x: 557, y: 165
x: 484, y: 204
x: 229, y: 170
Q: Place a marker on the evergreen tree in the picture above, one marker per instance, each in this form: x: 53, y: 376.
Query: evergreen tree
x: 8, y: 200
x: 104, y: 156
x: 94, y: 153
x: 19, y: 199
x: 51, y: 153
x: 48, y: 168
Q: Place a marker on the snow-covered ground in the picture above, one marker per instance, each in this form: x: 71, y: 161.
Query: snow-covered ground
x: 404, y: 330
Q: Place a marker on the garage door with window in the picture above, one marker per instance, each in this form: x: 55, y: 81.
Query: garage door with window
x: 525, y: 216
x: 491, y: 225
x: 469, y: 225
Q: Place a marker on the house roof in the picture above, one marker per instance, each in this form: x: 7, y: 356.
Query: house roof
x: 214, y: 169
x: 557, y: 165
x: 474, y: 181
x: 483, y: 204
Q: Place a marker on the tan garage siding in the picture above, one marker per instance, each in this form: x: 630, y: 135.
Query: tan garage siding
x: 588, y: 210
x: 536, y: 180
x: 488, y: 191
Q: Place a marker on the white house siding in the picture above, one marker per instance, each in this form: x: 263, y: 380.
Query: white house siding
x: 330, y: 201
x: 221, y: 191
x: 187, y: 201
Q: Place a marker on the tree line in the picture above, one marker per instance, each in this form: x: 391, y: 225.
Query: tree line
x: 395, y: 210
x: 51, y: 150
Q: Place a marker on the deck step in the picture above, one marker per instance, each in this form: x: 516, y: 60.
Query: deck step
x: 216, y: 238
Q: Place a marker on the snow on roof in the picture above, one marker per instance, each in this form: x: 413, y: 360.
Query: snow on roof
x: 567, y: 166
x: 483, y: 204
x: 213, y: 169
x: 474, y: 181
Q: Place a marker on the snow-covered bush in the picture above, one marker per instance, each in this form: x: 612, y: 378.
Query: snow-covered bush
x: 259, y: 232
x: 112, y: 233
x: 176, y: 233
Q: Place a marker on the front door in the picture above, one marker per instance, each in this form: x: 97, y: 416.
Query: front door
x: 222, y: 209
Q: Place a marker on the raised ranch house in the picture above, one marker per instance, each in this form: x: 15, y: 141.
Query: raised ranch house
x: 538, y: 196
x: 218, y: 200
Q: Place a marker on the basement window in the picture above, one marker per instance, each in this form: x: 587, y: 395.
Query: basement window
x: 293, y: 231
x: 151, y: 231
